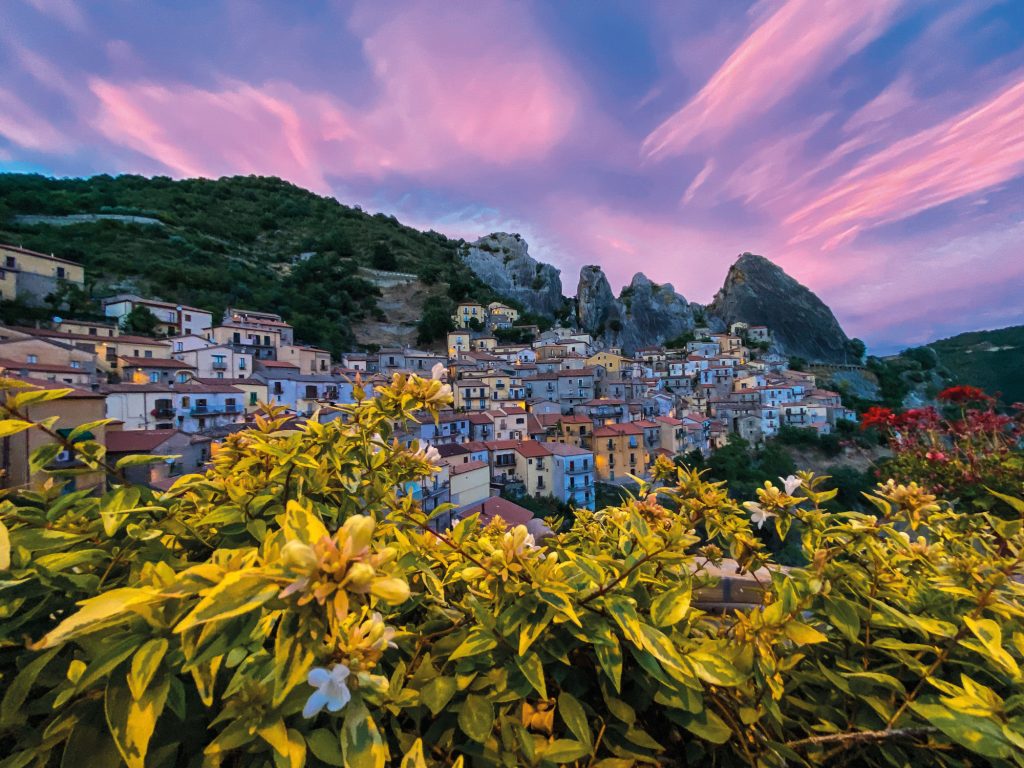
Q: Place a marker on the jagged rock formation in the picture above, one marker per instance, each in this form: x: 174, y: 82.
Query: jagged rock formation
x: 758, y: 292
x: 645, y: 313
x: 503, y: 262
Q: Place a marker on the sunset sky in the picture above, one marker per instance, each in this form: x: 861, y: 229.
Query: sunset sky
x: 873, y: 148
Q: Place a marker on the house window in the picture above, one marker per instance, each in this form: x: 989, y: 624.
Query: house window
x: 310, y: 392
x: 32, y: 358
x: 179, y: 346
x: 188, y: 317
x: 10, y: 263
x: 238, y: 338
x: 148, y: 353
x: 266, y: 341
x: 154, y: 378
x: 75, y: 364
x: 182, y: 378
x: 61, y: 273
x: 252, y: 398
x: 241, y: 363
x: 92, y: 331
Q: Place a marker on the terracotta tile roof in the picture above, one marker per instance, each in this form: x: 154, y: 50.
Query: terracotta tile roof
x: 617, y: 430
x: 564, y: 449
x: 137, y: 440
x: 155, y: 362
x: 277, y: 364
x: 510, y: 512
x: 532, y: 449
x: 75, y: 392
x: 16, y: 365
x: 469, y: 466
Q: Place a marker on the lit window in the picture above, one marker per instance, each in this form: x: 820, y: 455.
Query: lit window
x: 33, y: 358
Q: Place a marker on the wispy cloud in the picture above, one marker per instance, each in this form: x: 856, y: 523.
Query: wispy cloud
x: 972, y: 151
x: 801, y: 40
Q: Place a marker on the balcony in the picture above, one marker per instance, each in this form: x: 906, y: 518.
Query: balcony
x: 215, y: 409
x: 219, y: 365
x: 163, y: 412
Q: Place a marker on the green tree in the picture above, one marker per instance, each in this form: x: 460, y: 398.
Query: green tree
x: 383, y: 258
x: 435, y: 323
x: 140, y: 321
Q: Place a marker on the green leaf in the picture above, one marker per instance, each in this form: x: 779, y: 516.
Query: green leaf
x: 476, y: 717
x: 136, y: 460
x: 414, y: 757
x: 575, y: 718
x: 18, y: 689
x: 1016, y: 504
x: 238, y: 593
x: 325, y: 747
x: 437, y: 693
x: 132, y: 722
x: 564, y: 751
x: 803, y: 634
x: 609, y: 656
x: 670, y: 607
x: 361, y: 742
x: 97, y: 612
x: 707, y: 725
x: 479, y: 641
x: 115, y: 506
x: 293, y: 659
x: 978, y: 734
x: 144, y: 665
x: 714, y: 669
x: 843, y: 616
x: 532, y: 668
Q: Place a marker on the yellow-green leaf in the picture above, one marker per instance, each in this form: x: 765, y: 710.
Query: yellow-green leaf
x: 132, y: 722
x: 476, y: 716
x: 437, y: 693
x: 325, y: 747
x: 97, y: 612
x: 10, y: 427
x: 575, y: 718
x: 671, y: 606
x: 414, y: 758
x: 5, y: 547
x: 144, y: 665
x: 802, y: 634
x: 533, y: 670
x: 238, y: 593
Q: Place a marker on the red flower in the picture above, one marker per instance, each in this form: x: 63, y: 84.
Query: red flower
x: 879, y: 417
x: 964, y: 394
x: 935, y: 456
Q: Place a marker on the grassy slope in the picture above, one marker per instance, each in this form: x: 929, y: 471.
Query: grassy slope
x: 230, y: 241
x: 992, y: 360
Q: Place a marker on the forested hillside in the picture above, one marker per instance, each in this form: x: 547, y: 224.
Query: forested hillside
x: 992, y: 360
x: 231, y: 241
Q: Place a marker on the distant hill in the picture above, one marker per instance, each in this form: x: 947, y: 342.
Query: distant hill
x: 992, y: 360
x: 250, y: 241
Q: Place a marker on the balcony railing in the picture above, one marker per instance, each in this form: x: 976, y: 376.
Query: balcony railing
x: 213, y: 410
x: 220, y: 365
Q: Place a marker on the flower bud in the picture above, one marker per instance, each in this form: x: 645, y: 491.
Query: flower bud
x: 393, y: 591
x: 358, y: 577
x: 299, y: 555
x: 359, y: 529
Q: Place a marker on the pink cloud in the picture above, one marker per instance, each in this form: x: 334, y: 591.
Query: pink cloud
x: 448, y: 95
x: 22, y: 125
x: 977, y: 149
x: 800, y: 40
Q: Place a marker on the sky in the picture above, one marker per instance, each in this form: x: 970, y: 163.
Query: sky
x: 872, y: 148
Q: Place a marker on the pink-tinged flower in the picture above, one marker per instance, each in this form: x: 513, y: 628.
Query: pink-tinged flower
x: 935, y: 456
x: 791, y: 483
x: 438, y: 372
x: 331, y: 689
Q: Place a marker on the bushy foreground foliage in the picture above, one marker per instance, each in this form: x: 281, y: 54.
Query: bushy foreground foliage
x: 294, y: 607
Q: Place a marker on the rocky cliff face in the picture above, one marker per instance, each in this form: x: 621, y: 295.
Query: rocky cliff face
x: 503, y: 262
x: 645, y: 313
x: 758, y: 292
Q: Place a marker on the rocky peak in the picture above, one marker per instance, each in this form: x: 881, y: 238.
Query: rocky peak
x: 758, y: 292
x: 645, y: 313
x: 503, y: 261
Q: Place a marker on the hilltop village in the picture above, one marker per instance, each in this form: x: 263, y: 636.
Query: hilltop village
x: 549, y: 417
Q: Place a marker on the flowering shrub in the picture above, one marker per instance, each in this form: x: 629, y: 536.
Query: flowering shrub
x: 960, y: 450
x: 292, y: 607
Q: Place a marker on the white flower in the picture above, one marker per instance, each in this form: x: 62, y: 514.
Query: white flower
x: 331, y: 689
x: 758, y: 514
x: 429, y: 454
x: 791, y: 483
x: 437, y: 373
